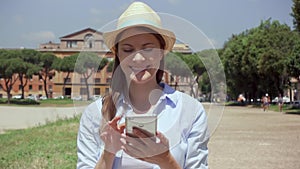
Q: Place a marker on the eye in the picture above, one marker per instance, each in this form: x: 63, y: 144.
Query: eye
x: 148, y: 49
x: 128, y: 50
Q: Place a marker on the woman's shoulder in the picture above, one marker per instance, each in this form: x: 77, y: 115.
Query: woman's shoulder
x: 93, y: 110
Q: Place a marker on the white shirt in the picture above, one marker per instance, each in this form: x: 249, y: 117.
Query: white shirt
x: 181, y: 119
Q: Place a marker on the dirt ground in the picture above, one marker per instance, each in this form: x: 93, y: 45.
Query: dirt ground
x: 249, y: 138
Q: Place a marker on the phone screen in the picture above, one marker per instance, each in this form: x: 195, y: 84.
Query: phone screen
x: 144, y: 122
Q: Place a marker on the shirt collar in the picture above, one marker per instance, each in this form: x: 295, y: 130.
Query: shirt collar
x: 168, y: 95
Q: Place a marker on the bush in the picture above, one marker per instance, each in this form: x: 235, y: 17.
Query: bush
x: 24, y: 102
x: 3, y: 101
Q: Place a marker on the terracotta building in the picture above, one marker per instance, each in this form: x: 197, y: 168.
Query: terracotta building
x: 86, y: 40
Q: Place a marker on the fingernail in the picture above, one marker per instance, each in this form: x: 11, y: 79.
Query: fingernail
x: 123, y: 140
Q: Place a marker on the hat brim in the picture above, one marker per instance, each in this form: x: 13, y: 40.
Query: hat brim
x: 168, y: 36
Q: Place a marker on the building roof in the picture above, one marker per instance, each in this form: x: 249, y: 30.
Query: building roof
x: 81, y: 31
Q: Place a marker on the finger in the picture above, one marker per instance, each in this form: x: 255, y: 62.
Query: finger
x: 115, y: 120
x: 137, y: 142
x: 162, y: 138
x: 132, y: 150
x: 122, y: 127
x: 142, y: 132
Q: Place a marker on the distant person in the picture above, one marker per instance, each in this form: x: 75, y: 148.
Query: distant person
x: 266, y: 102
x: 280, y: 102
x: 241, y: 98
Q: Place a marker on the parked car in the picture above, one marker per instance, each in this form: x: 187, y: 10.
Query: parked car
x: 43, y: 98
x: 59, y: 97
x: 284, y: 98
x: 32, y: 97
x: 77, y: 98
x: 17, y: 96
x: 95, y: 97
x: 296, y: 104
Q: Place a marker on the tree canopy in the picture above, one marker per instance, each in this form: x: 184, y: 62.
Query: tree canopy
x: 257, y: 61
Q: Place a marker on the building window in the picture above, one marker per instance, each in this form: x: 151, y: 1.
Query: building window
x: 50, y: 87
x: 40, y: 77
x: 97, y: 80
x: 50, y: 77
x: 82, y: 80
x: 83, y: 91
x: 108, y: 80
x: 89, y: 40
x: 40, y: 87
x: 67, y: 80
x: 96, y: 91
x: 71, y: 44
x: 20, y: 87
x: 30, y: 87
x: 106, y: 90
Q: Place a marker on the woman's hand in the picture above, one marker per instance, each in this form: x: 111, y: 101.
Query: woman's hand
x: 142, y: 146
x: 111, y: 134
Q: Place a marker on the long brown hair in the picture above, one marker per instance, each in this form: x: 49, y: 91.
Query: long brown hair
x: 108, y: 103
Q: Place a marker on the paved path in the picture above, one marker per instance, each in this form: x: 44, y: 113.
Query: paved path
x: 248, y: 138
x: 23, y: 117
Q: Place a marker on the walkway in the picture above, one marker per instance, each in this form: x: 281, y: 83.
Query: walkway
x: 248, y: 138
x: 20, y: 117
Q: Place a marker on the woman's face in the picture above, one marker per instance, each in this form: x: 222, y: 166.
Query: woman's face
x: 140, y: 55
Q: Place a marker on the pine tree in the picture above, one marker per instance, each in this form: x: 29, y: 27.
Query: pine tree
x: 296, y: 14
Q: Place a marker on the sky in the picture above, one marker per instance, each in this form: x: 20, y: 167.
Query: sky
x: 28, y: 23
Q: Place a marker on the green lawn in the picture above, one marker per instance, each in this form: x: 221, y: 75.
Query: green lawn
x: 52, y: 146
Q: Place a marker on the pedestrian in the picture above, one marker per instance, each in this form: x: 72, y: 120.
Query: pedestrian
x: 266, y: 102
x: 280, y: 102
x: 140, y: 45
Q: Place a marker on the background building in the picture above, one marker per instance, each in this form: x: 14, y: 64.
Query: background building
x: 87, y: 40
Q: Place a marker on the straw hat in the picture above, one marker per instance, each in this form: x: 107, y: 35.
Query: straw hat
x: 139, y: 14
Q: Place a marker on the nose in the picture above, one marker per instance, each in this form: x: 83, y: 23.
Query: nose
x: 138, y: 57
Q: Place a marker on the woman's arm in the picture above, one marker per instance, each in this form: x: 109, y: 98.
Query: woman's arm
x: 197, y: 140
x: 88, y: 147
x: 106, y: 160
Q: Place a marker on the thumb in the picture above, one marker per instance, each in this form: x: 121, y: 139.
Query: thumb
x: 162, y: 138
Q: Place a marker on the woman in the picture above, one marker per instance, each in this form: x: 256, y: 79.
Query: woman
x: 140, y: 44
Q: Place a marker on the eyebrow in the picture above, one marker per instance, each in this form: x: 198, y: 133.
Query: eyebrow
x: 146, y: 44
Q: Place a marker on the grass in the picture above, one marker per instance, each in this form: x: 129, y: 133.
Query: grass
x: 52, y: 146
x: 52, y: 102
x: 288, y: 109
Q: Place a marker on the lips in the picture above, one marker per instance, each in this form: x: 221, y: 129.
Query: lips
x: 139, y: 69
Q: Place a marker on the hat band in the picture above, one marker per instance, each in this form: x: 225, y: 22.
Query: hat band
x: 129, y: 23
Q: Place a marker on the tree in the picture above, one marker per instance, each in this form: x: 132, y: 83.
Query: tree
x: 181, y: 65
x: 256, y: 60
x: 67, y: 65
x: 213, y: 76
x: 87, y: 64
x: 294, y: 60
x: 7, y: 72
x: 26, y: 66
x: 296, y: 14
x: 46, y: 61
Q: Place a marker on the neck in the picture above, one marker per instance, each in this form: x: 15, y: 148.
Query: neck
x: 143, y: 96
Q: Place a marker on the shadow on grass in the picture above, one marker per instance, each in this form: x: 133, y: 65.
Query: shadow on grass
x: 253, y: 104
x: 236, y: 104
x: 293, y: 111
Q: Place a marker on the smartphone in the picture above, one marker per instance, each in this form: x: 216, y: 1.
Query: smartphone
x: 147, y: 123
